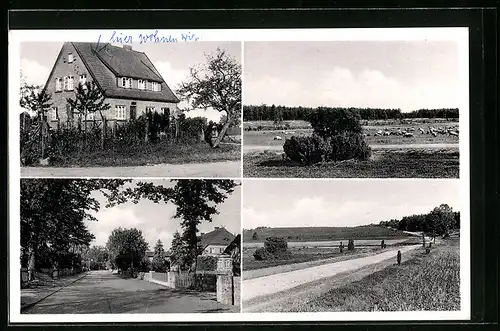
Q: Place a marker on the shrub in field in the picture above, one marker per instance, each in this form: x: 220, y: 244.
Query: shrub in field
x: 278, y: 247
x: 348, y: 145
x: 261, y: 254
x: 274, y: 248
x: 314, y: 148
x: 255, y: 236
x: 350, y: 245
x: 328, y: 122
x: 307, y: 149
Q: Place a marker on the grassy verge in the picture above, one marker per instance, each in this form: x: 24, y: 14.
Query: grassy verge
x: 152, y: 154
x: 442, y: 163
x: 426, y: 282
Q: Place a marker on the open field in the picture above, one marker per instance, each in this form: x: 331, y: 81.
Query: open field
x: 316, y: 234
x: 419, y: 156
x: 385, y: 163
x: 425, y: 282
x: 152, y: 154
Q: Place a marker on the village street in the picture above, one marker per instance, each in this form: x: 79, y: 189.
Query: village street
x: 226, y: 169
x: 106, y: 292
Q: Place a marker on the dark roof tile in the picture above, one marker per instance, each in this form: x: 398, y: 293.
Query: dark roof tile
x: 114, y: 61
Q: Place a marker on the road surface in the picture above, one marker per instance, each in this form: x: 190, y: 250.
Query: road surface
x: 101, y: 292
x: 279, y: 148
x: 226, y: 169
x: 268, y: 285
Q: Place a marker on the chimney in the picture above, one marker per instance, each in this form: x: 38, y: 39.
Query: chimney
x: 127, y: 47
x: 216, y: 227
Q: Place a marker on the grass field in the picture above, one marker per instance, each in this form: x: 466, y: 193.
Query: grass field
x: 297, y: 234
x: 390, y: 163
x: 425, y: 282
x: 301, y: 255
x: 393, y: 156
x: 152, y: 154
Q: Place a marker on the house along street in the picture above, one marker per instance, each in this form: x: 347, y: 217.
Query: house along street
x: 106, y: 292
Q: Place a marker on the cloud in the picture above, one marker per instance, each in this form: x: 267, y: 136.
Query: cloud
x: 173, y: 77
x: 345, y: 88
x: 34, y: 72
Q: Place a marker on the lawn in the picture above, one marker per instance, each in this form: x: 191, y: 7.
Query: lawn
x: 148, y: 154
x: 425, y: 282
x: 389, y: 163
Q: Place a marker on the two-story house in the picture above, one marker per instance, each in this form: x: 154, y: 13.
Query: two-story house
x: 216, y: 241
x: 129, y: 80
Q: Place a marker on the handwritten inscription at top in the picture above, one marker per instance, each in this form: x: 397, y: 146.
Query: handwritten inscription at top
x: 144, y: 38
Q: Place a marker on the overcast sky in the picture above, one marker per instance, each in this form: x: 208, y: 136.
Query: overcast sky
x: 309, y: 203
x: 171, y: 59
x: 382, y: 74
x: 156, y: 220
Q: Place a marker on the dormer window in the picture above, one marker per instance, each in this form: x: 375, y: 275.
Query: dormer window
x: 126, y: 82
x: 155, y: 87
x: 141, y: 84
x: 70, y: 58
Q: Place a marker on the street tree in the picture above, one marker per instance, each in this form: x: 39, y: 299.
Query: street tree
x: 216, y: 85
x: 179, y: 251
x: 96, y: 257
x: 53, y: 214
x: 127, y: 247
x: 196, y: 200
x: 159, y: 258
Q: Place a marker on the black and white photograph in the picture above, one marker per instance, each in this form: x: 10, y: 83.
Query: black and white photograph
x: 112, y: 246
x: 122, y: 109
x: 342, y: 109
x: 351, y: 246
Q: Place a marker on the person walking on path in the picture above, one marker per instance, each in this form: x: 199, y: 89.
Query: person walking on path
x: 399, y: 257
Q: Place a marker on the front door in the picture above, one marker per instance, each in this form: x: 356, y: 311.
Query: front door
x: 133, y: 111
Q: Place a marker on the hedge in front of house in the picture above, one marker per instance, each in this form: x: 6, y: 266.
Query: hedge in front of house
x: 206, y: 263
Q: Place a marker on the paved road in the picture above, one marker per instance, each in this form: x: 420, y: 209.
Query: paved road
x: 279, y: 148
x: 267, y: 285
x: 226, y: 169
x: 104, y: 292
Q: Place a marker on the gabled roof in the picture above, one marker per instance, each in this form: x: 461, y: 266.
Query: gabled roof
x: 105, y: 64
x: 219, y: 236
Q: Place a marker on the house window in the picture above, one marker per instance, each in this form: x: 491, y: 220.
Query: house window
x: 124, y: 81
x: 141, y: 84
x: 120, y: 112
x: 83, y: 80
x: 53, y: 114
x: 150, y: 109
x: 58, y: 84
x: 70, y: 58
x: 68, y: 83
x: 155, y: 86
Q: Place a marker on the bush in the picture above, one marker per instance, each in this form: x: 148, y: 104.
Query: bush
x: 206, y: 263
x: 277, y: 247
x: 329, y: 122
x: 261, y: 254
x: 348, y: 145
x: 314, y: 149
x: 308, y: 149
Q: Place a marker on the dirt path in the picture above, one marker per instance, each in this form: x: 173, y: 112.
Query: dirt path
x: 271, y: 284
x: 226, y: 169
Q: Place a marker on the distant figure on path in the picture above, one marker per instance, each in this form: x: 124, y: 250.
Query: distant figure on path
x: 341, y: 247
x: 399, y: 257
x: 382, y: 244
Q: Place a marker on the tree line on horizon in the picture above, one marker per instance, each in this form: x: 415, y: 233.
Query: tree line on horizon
x: 285, y: 113
x: 438, y: 222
